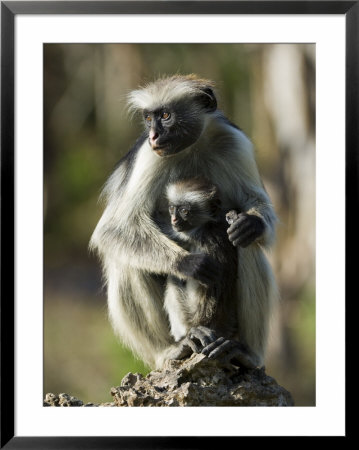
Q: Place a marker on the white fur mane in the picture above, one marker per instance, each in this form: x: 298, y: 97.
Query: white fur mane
x: 165, y: 90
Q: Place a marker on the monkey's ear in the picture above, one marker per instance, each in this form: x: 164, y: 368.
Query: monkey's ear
x: 208, y: 99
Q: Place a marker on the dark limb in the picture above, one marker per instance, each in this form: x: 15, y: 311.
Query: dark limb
x: 196, y: 340
x: 201, y: 337
x: 230, y: 351
x: 244, y: 229
x: 199, y: 266
x: 204, y: 340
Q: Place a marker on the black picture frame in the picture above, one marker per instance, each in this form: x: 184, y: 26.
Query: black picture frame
x: 9, y: 9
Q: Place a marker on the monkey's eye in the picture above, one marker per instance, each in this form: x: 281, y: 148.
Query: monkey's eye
x: 148, y: 118
x: 165, y: 115
x: 171, y: 209
x: 184, y: 211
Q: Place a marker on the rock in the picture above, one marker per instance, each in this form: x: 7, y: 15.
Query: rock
x: 196, y: 381
x: 199, y: 381
x: 63, y: 400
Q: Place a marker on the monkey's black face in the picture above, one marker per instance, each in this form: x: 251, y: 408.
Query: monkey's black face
x: 185, y: 217
x: 174, y: 127
x: 180, y: 217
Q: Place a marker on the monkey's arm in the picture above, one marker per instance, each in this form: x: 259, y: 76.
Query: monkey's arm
x: 139, y: 243
x: 256, y: 219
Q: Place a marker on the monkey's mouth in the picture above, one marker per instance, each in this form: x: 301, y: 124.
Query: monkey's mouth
x: 167, y: 150
x: 163, y: 149
x: 181, y: 227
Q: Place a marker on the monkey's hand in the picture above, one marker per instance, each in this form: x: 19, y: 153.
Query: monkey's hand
x: 228, y: 351
x: 231, y: 216
x: 199, y: 266
x: 245, y: 229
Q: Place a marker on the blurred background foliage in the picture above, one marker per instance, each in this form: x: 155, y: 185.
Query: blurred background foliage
x: 269, y: 91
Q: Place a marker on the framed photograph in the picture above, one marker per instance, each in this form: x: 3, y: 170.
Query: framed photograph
x: 287, y: 74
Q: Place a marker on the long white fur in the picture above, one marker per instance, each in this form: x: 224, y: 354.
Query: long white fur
x: 132, y: 247
x: 174, y: 195
x: 164, y: 91
x: 175, y: 311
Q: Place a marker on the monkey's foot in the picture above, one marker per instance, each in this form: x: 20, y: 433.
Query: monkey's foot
x: 231, y: 352
x: 197, y: 339
x: 200, y: 337
x: 181, y: 350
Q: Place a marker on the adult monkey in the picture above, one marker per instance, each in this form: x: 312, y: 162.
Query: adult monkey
x: 186, y: 136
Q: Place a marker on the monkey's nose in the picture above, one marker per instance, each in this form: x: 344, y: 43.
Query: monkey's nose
x: 153, y: 135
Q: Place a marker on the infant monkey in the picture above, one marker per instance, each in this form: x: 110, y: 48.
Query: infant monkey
x: 202, y: 311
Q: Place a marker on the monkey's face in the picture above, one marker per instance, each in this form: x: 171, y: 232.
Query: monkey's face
x: 180, y: 217
x: 174, y: 127
x: 187, y: 217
